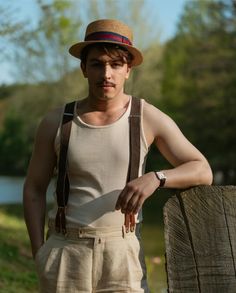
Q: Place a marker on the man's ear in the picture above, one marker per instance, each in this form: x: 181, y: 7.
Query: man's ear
x: 83, y: 68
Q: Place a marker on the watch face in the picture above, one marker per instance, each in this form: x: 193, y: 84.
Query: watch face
x: 161, y: 176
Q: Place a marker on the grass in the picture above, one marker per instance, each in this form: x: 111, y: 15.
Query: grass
x: 153, y: 243
x: 17, y: 272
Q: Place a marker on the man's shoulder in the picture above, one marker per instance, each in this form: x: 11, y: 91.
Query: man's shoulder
x: 156, y: 119
x: 149, y: 110
x: 53, y: 117
x: 49, y: 124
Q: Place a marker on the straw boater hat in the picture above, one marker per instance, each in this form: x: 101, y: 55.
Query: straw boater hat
x: 108, y: 31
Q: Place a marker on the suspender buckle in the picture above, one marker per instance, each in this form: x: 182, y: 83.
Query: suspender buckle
x: 68, y: 114
x: 60, y: 224
x: 134, y: 115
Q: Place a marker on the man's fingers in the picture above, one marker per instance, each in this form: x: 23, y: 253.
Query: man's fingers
x: 129, y: 222
x: 138, y: 205
x: 123, y: 199
x: 132, y: 203
x: 118, y: 203
x: 127, y: 219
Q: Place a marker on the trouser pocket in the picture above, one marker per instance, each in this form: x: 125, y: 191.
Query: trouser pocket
x: 47, y: 260
x: 64, y: 265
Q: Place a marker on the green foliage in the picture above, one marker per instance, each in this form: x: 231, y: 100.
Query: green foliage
x: 15, y: 147
x: 22, y: 107
x: 198, y: 81
x: 145, y: 81
x: 5, y: 92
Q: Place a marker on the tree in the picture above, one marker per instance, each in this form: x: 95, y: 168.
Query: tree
x: 199, y: 78
x: 15, y: 146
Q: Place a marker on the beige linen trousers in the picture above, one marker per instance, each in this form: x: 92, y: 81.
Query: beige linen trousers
x: 90, y: 260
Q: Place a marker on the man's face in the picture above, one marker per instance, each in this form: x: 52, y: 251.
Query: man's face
x: 106, y: 75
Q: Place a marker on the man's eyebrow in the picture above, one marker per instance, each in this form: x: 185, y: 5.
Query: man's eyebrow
x: 94, y: 60
x: 117, y: 60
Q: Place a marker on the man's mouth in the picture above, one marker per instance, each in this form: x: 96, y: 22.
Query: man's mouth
x: 106, y: 84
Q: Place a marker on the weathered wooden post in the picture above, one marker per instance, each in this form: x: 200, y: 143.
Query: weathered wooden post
x: 200, y: 238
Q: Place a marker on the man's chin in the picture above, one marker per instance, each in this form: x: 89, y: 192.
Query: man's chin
x: 106, y: 97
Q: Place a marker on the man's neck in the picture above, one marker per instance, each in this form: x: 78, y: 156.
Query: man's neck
x: 107, y: 104
x: 102, y: 112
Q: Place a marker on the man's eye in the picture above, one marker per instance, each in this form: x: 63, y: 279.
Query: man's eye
x: 117, y: 64
x: 95, y: 64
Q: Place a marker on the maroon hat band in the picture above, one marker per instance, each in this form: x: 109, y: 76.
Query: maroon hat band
x: 108, y: 36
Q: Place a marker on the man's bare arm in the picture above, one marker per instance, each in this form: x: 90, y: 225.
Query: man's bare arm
x: 190, y: 167
x: 40, y: 171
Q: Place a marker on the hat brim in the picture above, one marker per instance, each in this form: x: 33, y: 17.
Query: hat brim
x: 76, y: 49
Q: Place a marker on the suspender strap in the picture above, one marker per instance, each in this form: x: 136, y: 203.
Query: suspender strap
x: 134, y: 120
x: 63, y: 187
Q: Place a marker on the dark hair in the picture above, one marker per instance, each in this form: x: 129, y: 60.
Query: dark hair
x: 111, y: 49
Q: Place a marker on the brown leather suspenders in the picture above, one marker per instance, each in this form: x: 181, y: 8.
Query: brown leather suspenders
x: 63, y: 187
x: 134, y: 152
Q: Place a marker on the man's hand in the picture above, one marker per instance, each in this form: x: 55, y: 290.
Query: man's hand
x: 136, y: 192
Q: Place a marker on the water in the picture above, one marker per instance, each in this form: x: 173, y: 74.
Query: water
x: 11, y: 190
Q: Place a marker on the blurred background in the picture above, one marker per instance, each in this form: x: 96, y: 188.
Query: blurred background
x: 189, y: 72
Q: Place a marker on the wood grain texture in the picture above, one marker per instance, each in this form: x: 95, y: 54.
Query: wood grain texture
x: 200, y: 238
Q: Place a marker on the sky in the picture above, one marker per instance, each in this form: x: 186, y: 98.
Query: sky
x: 167, y: 11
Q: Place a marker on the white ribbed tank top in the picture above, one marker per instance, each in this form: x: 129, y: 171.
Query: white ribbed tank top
x: 98, y: 159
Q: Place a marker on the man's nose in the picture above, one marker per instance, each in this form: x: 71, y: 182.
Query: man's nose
x: 107, y: 71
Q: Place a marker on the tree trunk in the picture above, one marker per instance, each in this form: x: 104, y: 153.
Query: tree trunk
x: 200, y: 238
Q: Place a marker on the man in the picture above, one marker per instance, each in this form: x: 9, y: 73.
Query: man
x: 94, y: 252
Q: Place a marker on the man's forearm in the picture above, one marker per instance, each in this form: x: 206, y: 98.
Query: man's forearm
x: 34, y: 213
x: 188, y: 174
x: 185, y: 175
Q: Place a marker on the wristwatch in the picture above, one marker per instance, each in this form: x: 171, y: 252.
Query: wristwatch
x: 161, y: 177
